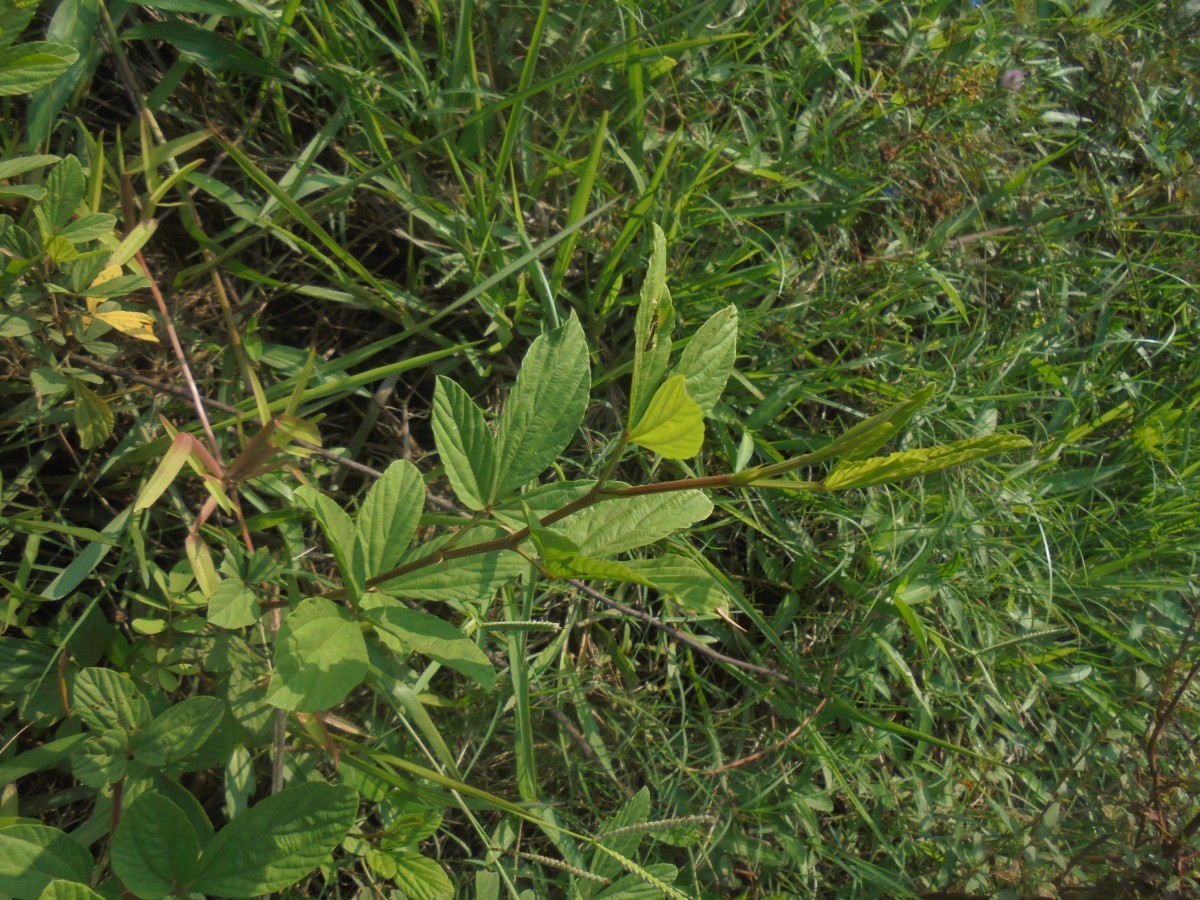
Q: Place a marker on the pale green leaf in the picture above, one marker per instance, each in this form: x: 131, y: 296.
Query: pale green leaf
x: 104, y: 698
x: 545, y: 408
x: 155, y: 847
x: 471, y: 579
x: 616, y: 526
x: 138, y: 235
x: 68, y: 890
x: 652, y: 330
x: 437, y: 639
x: 388, y: 517
x: 232, y: 605
x: 320, y: 656
x: 464, y: 443
x: 277, y: 842
x: 65, y: 187
x: 914, y: 463
x: 870, y: 434
x: 89, y: 227
x: 29, y: 66
x: 338, y: 528
x: 168, y: 468
x: 178, y: 733
x: 673, y: 425
x: 12, y: 168
x: 707, y: 361
x: 419, y: 877
x: 32, y: 856
x: 682, y: 579
x: 93, y: 418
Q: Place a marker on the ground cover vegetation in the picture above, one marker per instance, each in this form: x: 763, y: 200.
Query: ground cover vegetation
x: 598, y: 450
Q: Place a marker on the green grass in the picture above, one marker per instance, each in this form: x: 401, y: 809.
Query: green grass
x: 997, y: 647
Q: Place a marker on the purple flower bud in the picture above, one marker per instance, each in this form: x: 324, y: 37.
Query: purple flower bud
x: 1013, y: 79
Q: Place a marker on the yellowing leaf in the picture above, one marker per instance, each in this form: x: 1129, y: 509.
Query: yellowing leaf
x: 912, y: 463
x: 109, y: 273
x: 673, y: 424
x: 135, y: 324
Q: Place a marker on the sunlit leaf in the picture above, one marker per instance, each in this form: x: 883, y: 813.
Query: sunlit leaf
x: 913, y: 463
x: 673, y: 425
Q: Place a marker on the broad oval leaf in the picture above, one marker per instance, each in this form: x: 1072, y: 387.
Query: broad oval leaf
x: 707, y: 361
x: 419, y: 877
x: 320, y: 656
x: 683, y: 579
x: 178, y: 733
x: 545, y: 408
x: 232, y: 605
x: 464, y: 443
x: 338, y: 529
x: 437, y: 639
x: 914, y: 463
x: 389, y: 516
x: 32, y: 856
x: 673, y: 425
x: 616, y: 526
x: 106, y: 699
x: 277, y: 842
x: 29, y: 66
x: 155, y: 850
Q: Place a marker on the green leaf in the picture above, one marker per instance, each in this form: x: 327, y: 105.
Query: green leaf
x: 212, y: 51
x: 682, y: 579
x: 11, y: 168
x: 199, y: 7
x: 437, y: 639
x: 103, y: 759
x: 914, y: 463
x: 870, y: 434
x: 68, y: 890
x: 27, y: 67
x: 389, y: 516
x: 465, y: 444
x: 545, y: 408
x: 646, y: 884
x: 32, y: 856
x: 616, y: 526
x: 467, y: 580
x: 635, y: 811
x: 320, y: 656
x: 65, y: 188
x: 338, y: 529
x: 232, y: 605
x: 75, y: 24
x: 14, y: 17
x: 178, y: 733
x: 277, y: 842
x: 93, y: 418
x: 89, y: 227
x: 166, y: 471
x: 107, y: 699
x: 673, y: 425
x: 652, y: 331
x: 562, y: 559
x: 707, y: 360
x: 419, y: 877
x: 155, y: 850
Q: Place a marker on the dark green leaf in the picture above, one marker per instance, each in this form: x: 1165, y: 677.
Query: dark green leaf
x: 212, y: 51
x: 107, y: 699
x: 32, y: 856
x: 93, y: 418
x: 277, y: 842
x: 178, y: 733
x: 65, y: 187
x: 155, y: 850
